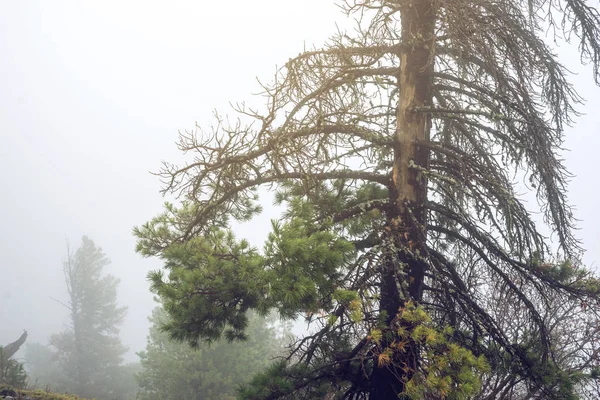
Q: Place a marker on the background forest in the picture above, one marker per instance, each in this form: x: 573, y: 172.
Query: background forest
x: 86, y: 358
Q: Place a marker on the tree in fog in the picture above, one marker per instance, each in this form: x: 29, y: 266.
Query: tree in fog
x: 174, y: 370
x: 44, y: 372
x: 42, y: 368
x: 396, y: 151
x: 89, y: 352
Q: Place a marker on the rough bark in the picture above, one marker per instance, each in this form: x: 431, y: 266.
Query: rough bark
x: 403, y: 276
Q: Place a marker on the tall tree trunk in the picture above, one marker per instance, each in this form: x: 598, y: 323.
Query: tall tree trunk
x: 73, y: 288
x: 80, y: 379
x: 407, y: 219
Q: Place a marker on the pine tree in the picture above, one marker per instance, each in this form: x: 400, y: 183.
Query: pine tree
x: 394, y: 151
x: 90, y: 352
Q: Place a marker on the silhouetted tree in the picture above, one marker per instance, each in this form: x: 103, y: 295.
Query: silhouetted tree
x: 90, y: 352
x: 394, y: 150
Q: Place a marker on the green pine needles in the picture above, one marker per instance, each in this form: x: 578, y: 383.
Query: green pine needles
x: 404, y: 241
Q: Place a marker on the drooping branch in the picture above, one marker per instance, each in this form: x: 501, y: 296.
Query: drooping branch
x: 406, y: 141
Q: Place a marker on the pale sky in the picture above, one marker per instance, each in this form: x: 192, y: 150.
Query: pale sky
x: 92, y: 94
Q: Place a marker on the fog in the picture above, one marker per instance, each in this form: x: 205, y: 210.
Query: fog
x: 92, y: 95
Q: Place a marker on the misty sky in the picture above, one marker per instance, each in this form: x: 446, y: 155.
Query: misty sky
x: 92, y: 94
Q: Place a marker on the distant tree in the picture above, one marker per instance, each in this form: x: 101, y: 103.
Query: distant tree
x: 172, y: 370
x: 396, y: 151
x: 89, y: 353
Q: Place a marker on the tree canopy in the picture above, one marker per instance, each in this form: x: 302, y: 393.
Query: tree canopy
x: 397, y: 152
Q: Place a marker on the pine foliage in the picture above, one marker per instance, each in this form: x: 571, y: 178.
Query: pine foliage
x: 395, y: 151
